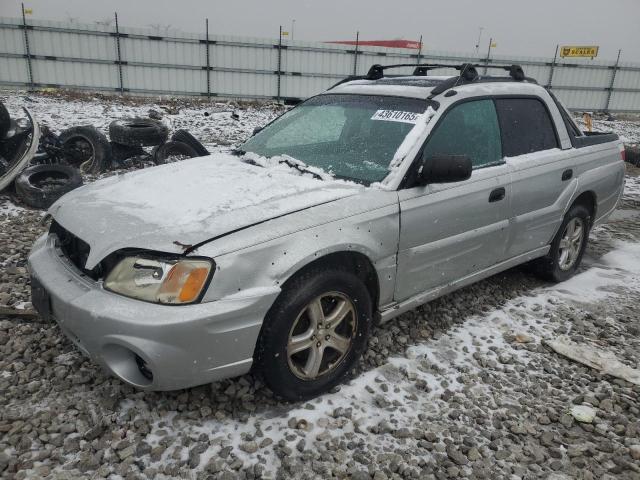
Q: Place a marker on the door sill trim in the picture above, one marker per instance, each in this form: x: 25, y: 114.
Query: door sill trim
x: 424, y: 297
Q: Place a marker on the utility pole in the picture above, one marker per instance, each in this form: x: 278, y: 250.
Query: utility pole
x: 420, y: 50
x: 293, y: 26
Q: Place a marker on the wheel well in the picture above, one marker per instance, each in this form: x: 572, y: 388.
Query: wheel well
x: 355, y: 262
x: 588, y: 200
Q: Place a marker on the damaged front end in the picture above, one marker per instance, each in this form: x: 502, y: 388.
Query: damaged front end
x: 17, y: 147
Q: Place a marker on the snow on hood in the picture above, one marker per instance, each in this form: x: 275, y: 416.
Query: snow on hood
x: 187, y: 202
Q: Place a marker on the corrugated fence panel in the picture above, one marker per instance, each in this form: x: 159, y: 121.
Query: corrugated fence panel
x: 11, y: 40
x: 159, y: 79
x: 68, y: 73
x: 13, y: 71
x: 165, y: 61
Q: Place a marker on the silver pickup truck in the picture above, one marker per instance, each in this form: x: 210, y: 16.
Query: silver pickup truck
x: 361, y: 203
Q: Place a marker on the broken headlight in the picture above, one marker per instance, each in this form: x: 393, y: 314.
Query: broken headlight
x: 177, y: 281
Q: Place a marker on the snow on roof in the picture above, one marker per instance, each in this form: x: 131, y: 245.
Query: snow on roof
x: 421, y: 86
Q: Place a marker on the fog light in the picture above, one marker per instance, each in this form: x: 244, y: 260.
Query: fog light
x: 144, y: 368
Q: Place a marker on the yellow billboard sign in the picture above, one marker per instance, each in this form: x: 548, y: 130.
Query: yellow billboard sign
x: 579, y: 51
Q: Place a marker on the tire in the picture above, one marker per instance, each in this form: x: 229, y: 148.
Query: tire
x: 289, y: 316
x: 120, y: 153
x: 185, y: 137
x: 138, y: 132
x: 86, y: 148
x: 41, y: 185
x: 549, y: 267
x: 172, y: 149
x: 632, y: 154
x: 5, y: 120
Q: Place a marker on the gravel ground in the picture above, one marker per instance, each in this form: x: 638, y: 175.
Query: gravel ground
x: 462, y: 387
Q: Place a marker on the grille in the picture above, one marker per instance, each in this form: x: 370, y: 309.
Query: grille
x: 74, y: 248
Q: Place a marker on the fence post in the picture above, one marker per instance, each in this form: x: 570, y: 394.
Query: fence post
x: 553, y: 66
x: 613, y: 79
x: 355, y: 55
x: 279, y: 61
x: 26, y: 48
x: 208, y: 61
x: 119, y: 61
x: 486, y: 61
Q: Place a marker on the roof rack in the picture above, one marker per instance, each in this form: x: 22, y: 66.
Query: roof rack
x: 468, y: 74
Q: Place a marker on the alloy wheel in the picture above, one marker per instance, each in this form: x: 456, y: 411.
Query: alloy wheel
x: 571, y: 243
x: 321, y: 335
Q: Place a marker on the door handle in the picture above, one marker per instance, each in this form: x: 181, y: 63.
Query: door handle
x: 567, y: 174
x: 497, y: 194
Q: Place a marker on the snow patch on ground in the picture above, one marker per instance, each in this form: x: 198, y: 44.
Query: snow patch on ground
x: 417, y: 381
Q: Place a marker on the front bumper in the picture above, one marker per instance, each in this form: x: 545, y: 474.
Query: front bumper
x: 182, y: 346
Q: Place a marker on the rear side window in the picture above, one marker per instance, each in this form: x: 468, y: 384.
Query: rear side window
x: 526, y: 126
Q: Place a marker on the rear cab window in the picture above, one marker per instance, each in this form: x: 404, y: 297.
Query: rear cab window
x: 526, y: 126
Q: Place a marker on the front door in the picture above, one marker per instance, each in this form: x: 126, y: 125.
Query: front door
x: 449, y: 231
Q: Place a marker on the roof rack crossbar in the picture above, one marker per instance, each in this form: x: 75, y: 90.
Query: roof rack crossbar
x: 467, y: 70
x: 468, y: 73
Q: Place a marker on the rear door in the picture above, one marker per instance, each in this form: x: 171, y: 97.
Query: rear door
x: 451, y: 230
x: 541, y: 173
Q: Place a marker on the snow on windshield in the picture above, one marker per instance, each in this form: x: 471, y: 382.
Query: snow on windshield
x: 354, y: 137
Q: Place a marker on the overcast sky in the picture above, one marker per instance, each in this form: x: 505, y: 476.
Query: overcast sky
x: 519, y: 27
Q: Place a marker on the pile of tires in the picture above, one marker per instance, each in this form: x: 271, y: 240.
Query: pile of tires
x: 60, y: 161
x: 129, y: 135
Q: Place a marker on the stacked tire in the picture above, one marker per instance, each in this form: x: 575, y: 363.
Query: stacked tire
x: 129, y: 135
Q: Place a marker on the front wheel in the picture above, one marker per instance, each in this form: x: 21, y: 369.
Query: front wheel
x: 567, y: 247
x: 314, y: 333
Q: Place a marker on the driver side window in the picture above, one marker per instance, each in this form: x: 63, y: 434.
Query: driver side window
x: 470, y: 128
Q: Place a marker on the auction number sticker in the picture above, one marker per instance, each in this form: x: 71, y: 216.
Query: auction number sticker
x: 396, y: 116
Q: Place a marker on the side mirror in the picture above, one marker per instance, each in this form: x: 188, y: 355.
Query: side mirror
x: 444, y: 169
x: 256, y: 130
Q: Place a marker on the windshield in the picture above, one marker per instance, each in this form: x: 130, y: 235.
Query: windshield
x: 350, y: 136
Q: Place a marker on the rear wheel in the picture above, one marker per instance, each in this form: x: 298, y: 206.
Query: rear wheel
x: 567, y: 247
x: 314, y: 334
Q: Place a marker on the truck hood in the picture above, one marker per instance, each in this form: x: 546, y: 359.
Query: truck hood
x: 170, y: 207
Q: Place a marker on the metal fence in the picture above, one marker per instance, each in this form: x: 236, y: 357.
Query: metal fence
x: 39, y: 54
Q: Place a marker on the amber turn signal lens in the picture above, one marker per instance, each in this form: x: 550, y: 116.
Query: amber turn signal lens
x: 193, y: 285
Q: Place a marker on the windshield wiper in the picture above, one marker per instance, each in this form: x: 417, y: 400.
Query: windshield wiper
x: 300, y: 166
